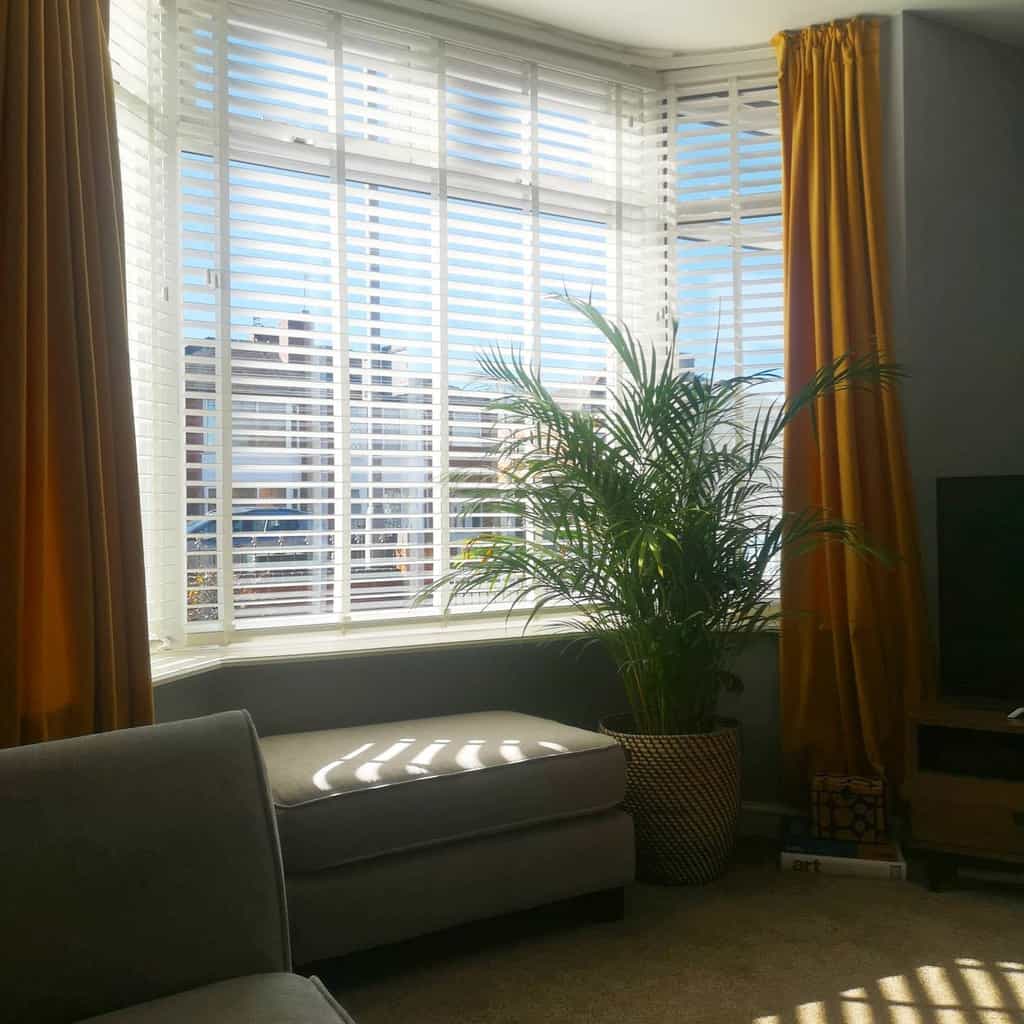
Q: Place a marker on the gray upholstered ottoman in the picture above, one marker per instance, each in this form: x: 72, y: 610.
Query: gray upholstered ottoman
x: 397, y: 829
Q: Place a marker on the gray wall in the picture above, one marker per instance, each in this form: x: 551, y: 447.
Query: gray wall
x: 956, y: 210
x: 540, y: 678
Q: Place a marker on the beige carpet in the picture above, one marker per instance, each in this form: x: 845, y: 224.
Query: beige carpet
x: 758, y: 946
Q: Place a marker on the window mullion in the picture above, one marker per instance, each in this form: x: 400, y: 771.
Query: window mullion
x: 176, y: 587
x: 225, y: 539
x: 668, y: 216
x: 536, y: 298
x: 442, y: 427
x: 535, y: 270
x: 615, y: 363
x: 342, y: 372
x: 736, y: 228
x: 661, y: 227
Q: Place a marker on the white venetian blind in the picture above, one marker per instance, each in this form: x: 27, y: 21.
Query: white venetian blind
x: 729, y: 224
x: 490, y: 270
x: 138, y: 61
x: 364, y: 211
x: 261, y: 299
x: 728, y: 217
x: 390, y: 110
x: 394, y: 354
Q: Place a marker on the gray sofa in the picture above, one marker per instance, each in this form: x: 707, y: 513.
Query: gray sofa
x: 391, y: 830
x: 142, y: 882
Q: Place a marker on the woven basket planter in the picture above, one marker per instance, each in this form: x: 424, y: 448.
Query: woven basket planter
x: 684, y: 795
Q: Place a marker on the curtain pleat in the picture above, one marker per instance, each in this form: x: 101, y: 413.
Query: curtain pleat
x: 854, y: 654
x: 73, y: 633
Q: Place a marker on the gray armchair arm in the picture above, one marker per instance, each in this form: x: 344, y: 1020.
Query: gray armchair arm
x: 136, y: 864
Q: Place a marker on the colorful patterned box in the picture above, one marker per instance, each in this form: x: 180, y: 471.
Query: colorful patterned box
x: 850, y: 807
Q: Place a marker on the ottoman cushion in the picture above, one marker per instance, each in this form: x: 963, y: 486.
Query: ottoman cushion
x: 342, y: 795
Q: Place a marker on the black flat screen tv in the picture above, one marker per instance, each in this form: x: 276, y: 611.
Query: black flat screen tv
x: 981, y: 588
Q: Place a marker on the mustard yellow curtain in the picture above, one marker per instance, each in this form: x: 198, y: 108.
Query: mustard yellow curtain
x: 73, y: 634
x: 853, y: 645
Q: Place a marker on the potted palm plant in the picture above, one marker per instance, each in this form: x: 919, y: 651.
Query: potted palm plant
x: 655, y: 523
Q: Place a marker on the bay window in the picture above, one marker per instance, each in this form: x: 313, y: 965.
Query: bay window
x: 330, y: 220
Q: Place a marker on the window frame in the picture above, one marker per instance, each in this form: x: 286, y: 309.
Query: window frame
x: 533, y: 201
x: 656, y: 299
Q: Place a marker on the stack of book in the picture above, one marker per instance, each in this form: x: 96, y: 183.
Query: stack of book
x: 803, y: 851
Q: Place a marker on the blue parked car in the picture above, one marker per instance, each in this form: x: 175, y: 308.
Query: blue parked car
x: 256, y: 528
x: 266, y: 545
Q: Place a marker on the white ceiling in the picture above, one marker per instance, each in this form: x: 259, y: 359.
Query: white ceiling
x: 695, y: 25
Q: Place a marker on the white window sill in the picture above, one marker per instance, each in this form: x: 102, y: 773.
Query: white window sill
x: 362, y: 638
x: 303, y: 646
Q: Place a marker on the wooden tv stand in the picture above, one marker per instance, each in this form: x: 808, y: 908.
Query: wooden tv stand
x: 966, y: 786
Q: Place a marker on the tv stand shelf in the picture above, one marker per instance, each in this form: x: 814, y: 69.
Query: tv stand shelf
x: 966, y: 784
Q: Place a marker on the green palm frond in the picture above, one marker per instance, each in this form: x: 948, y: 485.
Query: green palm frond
x: 652, y: 522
